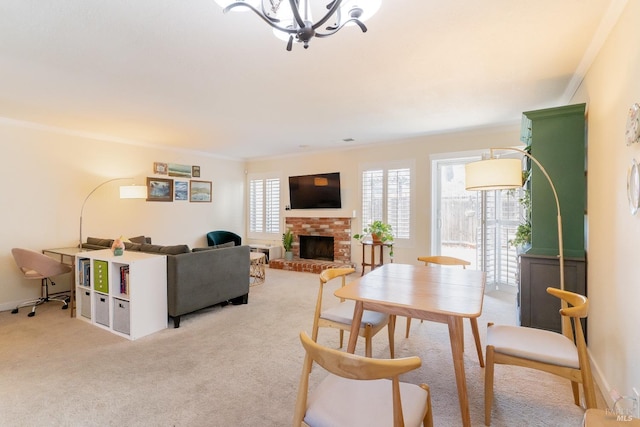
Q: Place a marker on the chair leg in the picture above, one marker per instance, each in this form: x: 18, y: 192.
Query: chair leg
x: 341, y: 337
x: 476, y: 337
x: 576, y: 393
x: 408, y: 327
x: 427, y: 421
x: 367, y: 341
x: 488, y: 385
x: 391, y: 327
x: 588, y: 388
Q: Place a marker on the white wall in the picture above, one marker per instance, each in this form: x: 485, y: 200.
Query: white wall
x: 48, y: 174
x: 348, y: 163
x: 611, y: 86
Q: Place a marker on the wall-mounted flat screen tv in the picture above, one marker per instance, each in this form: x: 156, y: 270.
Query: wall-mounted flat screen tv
x: 320, y: 191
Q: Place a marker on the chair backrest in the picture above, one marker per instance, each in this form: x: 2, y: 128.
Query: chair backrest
x: 28, y: 260
x: 327, y: 276
x: 220, y: 237
x: 443, y: 260
x: 353, y: 367
x: 576, y: 307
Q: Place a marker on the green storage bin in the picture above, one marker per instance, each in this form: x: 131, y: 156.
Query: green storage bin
x: 100, y: 276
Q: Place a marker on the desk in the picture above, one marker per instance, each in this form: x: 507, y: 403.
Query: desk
x: 373, y: 246
x: 67, y: 256
x: 437, y: 294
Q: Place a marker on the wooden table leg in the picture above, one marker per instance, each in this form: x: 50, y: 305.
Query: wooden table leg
x: 455, y: 336
x: 355, y: 327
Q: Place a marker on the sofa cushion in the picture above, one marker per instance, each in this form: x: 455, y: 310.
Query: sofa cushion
x: 165, y: 250
x: 100, y: 242
x: 208, y: 248
x: 138, y: 239
x: 132, y: 246
x: 225, y: 245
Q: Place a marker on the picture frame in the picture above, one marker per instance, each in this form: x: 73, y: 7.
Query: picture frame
x: 200, y: 191
x: 180, y: 171
x: 159, y: 189
x: 160, y: 168
x: 195, y: 171
x: 181, y: 190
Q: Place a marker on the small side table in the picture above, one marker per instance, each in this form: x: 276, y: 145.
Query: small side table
x: 257, y: 270
x: 373, y: 245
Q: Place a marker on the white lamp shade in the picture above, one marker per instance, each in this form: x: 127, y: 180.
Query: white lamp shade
x: 493, y: 174
x: 133, y: 192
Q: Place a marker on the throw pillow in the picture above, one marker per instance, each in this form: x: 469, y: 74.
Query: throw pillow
x: 100, y: 242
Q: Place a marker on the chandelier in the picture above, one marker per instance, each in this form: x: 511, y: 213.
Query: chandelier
x: 292, y: 20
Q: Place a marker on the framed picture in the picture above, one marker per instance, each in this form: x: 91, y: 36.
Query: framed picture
x: 160, y: 168
x: 159, y: 189
x: 182, y: 171
x: 181, y: 190
x: 195, y: 171
x: 200, y: 191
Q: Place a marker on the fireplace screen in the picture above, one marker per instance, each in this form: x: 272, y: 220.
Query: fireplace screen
x: 316, y: 247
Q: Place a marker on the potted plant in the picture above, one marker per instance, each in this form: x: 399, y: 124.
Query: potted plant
x: 378, y: 230
x: 522, y: 239
x: 287, y: 242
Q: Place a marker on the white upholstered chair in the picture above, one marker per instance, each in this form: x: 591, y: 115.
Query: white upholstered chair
x: 340, y: 316
x: 37, y: 266
x: 360, y: 391
x: 563, y: 354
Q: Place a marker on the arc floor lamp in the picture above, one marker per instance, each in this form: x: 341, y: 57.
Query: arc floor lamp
x: 497, y: 173
x: 126, y: 192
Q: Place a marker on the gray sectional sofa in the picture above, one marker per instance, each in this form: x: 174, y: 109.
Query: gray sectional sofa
x: 197, y: 278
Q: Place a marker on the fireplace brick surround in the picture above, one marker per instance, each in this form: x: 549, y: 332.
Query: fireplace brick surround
x: 338, y: 228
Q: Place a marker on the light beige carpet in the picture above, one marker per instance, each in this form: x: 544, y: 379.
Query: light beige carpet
x: 237, y: 366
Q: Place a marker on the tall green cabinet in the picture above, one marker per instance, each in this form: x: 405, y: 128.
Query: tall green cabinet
x: 557, y: 137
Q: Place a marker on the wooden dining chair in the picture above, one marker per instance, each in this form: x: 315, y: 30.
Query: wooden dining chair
x: 360, y: 391
x: 341, y: 315
x: 447, y: 260
x: 563, y: 354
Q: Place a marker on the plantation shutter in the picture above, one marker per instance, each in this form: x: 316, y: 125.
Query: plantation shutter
x: 272, y: 205
x: 399, y: 202
x: 372, y: 196
x: 264, y: 205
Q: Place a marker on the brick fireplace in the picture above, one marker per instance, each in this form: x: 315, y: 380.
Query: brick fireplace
x: 337, y: 228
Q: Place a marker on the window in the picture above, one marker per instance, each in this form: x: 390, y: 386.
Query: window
x: 386, y: 196
x: 474, y: 225
x: 264, y: 206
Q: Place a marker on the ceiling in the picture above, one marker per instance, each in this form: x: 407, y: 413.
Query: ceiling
x: 182, y: 74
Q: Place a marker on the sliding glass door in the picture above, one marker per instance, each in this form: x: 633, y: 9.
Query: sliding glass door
x: 474, y: 225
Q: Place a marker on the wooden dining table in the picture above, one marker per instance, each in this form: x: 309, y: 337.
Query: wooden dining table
x: 443, y: 295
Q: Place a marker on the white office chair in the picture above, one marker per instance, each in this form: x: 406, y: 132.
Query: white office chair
x: 35, y: 265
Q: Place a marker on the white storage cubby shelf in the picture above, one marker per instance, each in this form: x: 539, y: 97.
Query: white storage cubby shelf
x: 126, y: 295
